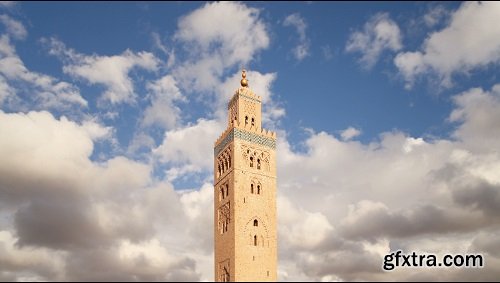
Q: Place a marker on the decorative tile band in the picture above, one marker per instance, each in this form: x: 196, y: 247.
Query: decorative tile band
x: 246, y: 136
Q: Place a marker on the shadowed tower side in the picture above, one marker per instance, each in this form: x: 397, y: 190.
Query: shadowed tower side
x: 245, y: 193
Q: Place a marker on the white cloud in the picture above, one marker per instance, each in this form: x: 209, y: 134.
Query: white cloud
x: 74, y: 219
x: 435, y: 15
x: 349, y: 133
x: 218, y: 36
x: 470, y: 41
x: 301, y: 229
x: 162, y: 111
x: 477, y: 111
x: 6, y: 90
x: 187, y: 147
x: 18, y: 260
x: 14, y: 28
x: 157, y: 42
x: 379, y: 33
x: 110, y: 71
x: 395, y: 193
x: 49, y: 92
x: 300, y: 51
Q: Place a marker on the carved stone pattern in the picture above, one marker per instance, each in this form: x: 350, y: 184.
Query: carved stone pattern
x: 263, y: 155
x: 249, y: 108
x: 224, y: 214
x: 224, y: 271
x: 234, y: 113
x: 246, y: 136
x: 243, y: 96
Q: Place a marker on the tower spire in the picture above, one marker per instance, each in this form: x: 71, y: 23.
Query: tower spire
x: 244, y: 81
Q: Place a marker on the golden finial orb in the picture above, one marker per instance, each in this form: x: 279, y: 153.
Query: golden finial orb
x: 244, y: 81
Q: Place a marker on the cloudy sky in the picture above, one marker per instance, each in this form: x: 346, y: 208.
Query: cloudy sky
x: 387, y: 114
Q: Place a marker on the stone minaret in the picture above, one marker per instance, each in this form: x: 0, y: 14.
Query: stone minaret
x: 245, y: 193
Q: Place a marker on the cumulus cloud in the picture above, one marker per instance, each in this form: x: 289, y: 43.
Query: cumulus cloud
x: 380, y: 33
x: 22, y: 85
x: 109, y: 71
x: 300, y: 51
x: 342, y: 204
x: 82, y: 220
x: 162, y: 110
x: 362, y: 191
x: 13, y: 27
x: 187, y: 147
x: 469, y: 42
x: 350, y: 133
x: 218, y: 36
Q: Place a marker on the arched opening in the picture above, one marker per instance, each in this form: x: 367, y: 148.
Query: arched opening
x: 221, y: 196
x: 255, y: 240
x: 255, y: 223
x: 246, y: 120
x: 227, y: 190
x: 258, y: 189
x: 258, y: 163
x: 251, y: 161
x: 225, y: 164
x: 251, y: 188
x: 219, y: 171
x: 253, y: 122
x: 229, y: 160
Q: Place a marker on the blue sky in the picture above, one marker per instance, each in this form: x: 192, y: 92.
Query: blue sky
x: 372, y: 102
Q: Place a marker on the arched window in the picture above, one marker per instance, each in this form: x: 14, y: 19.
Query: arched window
x: 255, y: 223
x: 227, y: 190
x: 225, y: 164
x: 253, y: 122
x: 222, y: 192
x: 251, y: 161
x: 219, y: 171
x: 229, y: 160
x: 255, y: 240
x: 246, y: 120
x: 258, y: 163
x: 251, y: 188
x: 258, y: 189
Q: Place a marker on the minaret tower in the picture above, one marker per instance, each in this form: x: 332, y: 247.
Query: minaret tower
x: 245, y: 193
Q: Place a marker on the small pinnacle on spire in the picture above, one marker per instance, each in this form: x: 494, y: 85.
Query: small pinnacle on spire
x: 244, y: 81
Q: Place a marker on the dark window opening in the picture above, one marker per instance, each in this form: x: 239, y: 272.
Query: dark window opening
x: 255, y: 223
x: 258, y: 189
x: 255, y: 240
x: 251, y: 161
x: 251, y: 188
x: 258, y: 163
